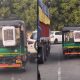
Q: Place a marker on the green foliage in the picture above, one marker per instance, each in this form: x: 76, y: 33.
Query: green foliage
x: 4, y: 11
x: 26, y: 10
x: 22, y: 9
x: 64, y: 12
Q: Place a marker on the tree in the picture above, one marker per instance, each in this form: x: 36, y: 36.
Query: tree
x: 26, y: 10
x: 64, y: 12
x: 22, y: 9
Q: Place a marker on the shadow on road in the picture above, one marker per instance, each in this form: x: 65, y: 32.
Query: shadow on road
x: 29, y: 67
x: 57, y: 55
x: 71, y: 57
x: 10, y: 71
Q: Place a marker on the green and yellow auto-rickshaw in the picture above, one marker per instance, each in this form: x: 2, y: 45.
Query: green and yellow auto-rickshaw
x: 71, y: 40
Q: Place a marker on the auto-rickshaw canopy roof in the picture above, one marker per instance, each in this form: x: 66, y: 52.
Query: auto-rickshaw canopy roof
x: 70, y: 28
x: 11, y: 23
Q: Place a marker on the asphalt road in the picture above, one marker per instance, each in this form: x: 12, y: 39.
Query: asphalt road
x: 59, y: 68
x: 12, y: 74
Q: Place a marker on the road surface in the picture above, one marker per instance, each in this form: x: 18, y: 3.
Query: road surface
x: 59, y: 68
x: 30, y: 74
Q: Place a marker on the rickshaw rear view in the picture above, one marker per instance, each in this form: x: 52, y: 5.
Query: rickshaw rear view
x: 71, y: 40
x: 13, y: 46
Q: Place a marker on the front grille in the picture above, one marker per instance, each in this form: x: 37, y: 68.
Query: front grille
x: 72, y: 50
x: 7, y: 60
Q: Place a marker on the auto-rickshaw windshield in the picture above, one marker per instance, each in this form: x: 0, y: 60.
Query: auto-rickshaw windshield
x: 69, y: 36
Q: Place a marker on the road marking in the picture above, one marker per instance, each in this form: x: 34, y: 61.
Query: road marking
x: 12, y: 78
x: 59, y: 69
x: 19, y: 79
x: 59, y: 73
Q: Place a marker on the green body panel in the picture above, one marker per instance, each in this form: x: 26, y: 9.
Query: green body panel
x: 71, y: 45
x: 12, y: 51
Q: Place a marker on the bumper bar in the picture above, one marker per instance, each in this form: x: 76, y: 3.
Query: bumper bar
x: 10, y: 65
x: 72, y: 53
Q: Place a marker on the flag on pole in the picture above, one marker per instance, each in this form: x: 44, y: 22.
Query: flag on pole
x: 43, y: 13
x: 43, y: 20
